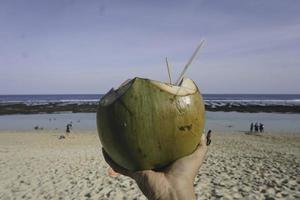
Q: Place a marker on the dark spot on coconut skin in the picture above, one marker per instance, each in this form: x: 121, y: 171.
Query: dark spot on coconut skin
x: 159, y: 146
x: 139, y: 150
x: 186, y: 127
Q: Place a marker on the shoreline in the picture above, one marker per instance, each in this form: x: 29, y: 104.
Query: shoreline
x: 217, y: 121
x: 22, y: 108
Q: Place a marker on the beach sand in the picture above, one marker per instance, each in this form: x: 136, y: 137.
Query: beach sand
x: 37, y: 165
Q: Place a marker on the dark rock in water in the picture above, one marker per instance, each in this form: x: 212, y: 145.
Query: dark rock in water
x: 253, y: 108
x: 22, y: 108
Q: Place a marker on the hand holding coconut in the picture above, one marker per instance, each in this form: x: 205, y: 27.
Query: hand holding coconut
x: 173, y: 182
x: 147, y: 125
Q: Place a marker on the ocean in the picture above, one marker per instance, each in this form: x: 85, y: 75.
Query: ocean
x: 218, y: 121
x: 291, y: 99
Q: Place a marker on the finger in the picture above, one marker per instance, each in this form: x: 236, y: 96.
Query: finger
x: 208, y: 138
x: 117, y: 168
x: 201, y: 149
x: 198, y: 156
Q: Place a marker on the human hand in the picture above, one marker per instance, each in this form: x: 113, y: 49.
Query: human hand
x: 173, y: 182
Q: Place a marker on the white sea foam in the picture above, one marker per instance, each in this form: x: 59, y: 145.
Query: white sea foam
x: 212, y: 100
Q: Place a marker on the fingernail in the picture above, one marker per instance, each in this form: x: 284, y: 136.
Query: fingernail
x: 112, y: 173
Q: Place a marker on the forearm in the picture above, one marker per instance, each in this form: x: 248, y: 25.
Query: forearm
x: 184, y: 191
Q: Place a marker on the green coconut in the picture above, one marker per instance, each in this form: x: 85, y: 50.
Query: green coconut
x: 146, y: 124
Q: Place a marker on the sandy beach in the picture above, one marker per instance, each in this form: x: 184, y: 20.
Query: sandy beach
x: 37, y: 165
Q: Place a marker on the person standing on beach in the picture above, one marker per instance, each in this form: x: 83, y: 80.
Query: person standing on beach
x: 251, y: 127
x: 68, y: 128
x: 261, y: 127
x: 256, y: 127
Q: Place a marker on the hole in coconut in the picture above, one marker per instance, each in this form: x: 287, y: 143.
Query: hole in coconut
x: 186, y: 127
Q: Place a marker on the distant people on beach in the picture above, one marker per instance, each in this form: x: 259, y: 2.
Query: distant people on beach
x: 38, y: 128
x: 258, y: 127
x: 261, y: 127
x: 68, y: 128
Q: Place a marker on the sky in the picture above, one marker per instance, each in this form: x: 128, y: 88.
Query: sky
x: 90, y: 46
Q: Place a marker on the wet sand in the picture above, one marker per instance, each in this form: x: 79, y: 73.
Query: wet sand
x: 37, y: 165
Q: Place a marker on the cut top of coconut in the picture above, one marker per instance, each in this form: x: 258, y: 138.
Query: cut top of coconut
x: 186, y: 87
x: 113, y: 94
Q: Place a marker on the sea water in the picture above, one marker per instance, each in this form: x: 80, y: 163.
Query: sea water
x: 240, y: 122
x: 21, y: 122
x: 217, y: 121
x: 265, y: 99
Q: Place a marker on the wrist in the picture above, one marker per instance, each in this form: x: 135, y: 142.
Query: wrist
x: 186, y: 192
x: 182, y: 189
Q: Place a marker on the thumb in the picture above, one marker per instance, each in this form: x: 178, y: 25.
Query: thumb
x: 188, y: 166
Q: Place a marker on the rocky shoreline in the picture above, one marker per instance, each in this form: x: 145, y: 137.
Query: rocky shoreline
x: 256, y: 108
x: 91, y: 107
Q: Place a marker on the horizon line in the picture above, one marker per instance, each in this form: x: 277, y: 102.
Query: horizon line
x: 105, y: 93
